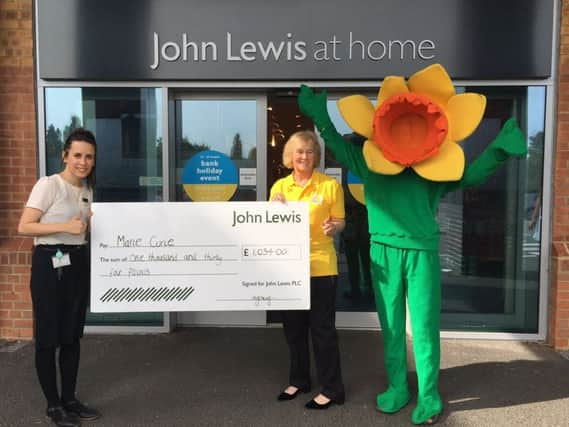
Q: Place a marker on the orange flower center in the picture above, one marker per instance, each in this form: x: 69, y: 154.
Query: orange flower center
x: 409, y: 128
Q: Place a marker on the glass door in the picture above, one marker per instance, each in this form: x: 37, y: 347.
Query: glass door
x: 355, y: 304
x: 217, y: 156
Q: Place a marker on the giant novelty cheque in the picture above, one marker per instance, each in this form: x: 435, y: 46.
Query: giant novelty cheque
x: 199, y: 256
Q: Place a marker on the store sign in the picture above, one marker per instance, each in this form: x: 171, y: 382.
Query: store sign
x: 288, y: 50
x: 276, y: 40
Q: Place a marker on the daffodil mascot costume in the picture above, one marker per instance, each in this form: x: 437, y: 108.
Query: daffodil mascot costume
x: 410, y: 160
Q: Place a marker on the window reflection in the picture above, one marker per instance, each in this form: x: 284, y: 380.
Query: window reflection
x: 226, y: 126
x: 128, y: 126
x: 63, y: 113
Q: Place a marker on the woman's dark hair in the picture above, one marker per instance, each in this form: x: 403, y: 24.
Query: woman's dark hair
x: 81, y: 134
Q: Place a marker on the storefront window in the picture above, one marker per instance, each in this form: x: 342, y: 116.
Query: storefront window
x: 490, y: 239
x: 490, y: 234
x: 128, y: 126
x: 216, y: 150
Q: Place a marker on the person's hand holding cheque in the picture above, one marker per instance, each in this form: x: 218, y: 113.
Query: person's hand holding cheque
x: 278, y: 197
x: 331, y: 226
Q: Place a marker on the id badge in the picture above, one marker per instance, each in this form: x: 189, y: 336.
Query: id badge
x: 60, y: 259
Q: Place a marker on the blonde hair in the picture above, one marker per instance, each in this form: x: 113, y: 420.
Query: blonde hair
x: 304, y: 135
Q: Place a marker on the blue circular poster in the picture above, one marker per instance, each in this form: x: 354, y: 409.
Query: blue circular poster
x: 210, y: 176
x: 356, y: 187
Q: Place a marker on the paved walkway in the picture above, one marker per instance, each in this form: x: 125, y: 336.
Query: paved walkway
x: 231, y: 376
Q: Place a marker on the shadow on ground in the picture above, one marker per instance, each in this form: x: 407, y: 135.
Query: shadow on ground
x: 231, y: 377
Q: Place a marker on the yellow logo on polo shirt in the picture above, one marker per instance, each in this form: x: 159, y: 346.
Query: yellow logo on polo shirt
x: 317, y: 199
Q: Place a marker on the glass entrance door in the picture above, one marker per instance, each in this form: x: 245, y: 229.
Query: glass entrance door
x: 217, y: 156
x: 355, y: 304
x: 355, y: 301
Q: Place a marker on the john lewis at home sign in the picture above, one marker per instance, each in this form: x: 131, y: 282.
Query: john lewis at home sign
x: 289, y: 49
x: 288, y: 40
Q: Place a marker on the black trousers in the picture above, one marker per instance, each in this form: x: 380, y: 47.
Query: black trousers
x: 320, y: 321
x: 47, y: 372
x: 59, y: 298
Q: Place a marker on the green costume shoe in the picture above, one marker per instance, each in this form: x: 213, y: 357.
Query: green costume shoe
x: 391, y: 400
x: 426, y: 410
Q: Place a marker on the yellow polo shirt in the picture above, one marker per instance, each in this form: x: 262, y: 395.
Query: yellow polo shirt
x: 326, y: 199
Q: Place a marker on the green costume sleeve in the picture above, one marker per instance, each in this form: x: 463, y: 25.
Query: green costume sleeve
x: 314, y: 106
x: 510, y: 142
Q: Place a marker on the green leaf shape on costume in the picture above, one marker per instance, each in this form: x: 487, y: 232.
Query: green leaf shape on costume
x: 511, y: 140
x: 314, y: 106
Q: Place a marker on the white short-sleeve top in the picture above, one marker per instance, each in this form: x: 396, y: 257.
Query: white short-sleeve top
x: 59, y: 202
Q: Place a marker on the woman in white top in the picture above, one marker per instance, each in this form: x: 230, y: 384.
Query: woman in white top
x: 57, y: 215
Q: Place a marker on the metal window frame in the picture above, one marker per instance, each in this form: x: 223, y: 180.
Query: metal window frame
x: 346, y: 320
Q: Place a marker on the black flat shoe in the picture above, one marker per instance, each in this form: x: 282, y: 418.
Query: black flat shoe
x: 431, y: 421
x: 313, y: 404
x: 80, y: 410
x: 284, y: 396
x: 61, y: 418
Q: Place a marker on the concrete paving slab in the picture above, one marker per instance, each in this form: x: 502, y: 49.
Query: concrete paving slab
x: 231, y: 377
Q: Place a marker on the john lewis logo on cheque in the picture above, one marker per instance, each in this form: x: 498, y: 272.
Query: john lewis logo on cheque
x: 269, y: 218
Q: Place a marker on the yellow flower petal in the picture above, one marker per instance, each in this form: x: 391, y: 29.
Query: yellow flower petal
x: 465, y: 112
x: 392, y: 85
x: 434, y: 82
x: 446, y: 165
x: 358, y: 113
x: 377, y: 163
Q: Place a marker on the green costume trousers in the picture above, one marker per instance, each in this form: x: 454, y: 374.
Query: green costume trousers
x: 415, y: 274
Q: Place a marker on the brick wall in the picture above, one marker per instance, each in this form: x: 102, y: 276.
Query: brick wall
x: 18, y: 160
x: 558, y: 333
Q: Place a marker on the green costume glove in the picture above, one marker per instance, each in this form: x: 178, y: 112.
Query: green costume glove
x: 314, y: 107
x: 510, y: 141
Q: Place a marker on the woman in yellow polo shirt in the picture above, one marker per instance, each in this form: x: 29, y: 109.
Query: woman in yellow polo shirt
x: 302, y: 154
